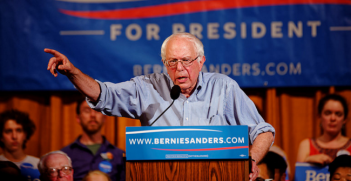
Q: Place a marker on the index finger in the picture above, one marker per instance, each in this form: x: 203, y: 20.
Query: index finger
x: 53, y: 52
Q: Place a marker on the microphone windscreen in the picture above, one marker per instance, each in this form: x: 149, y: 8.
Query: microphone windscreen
x: 175, y: 92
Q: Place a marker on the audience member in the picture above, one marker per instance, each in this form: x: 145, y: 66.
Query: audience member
x: 333, y: 111
x: 10, y: 172
x: 55, y: 166
x: 276, y: 149
x: 272, y: 166
x: 340, y: 168
x: 16, y: 129
x: 91, y: 150
x: 96, y: 175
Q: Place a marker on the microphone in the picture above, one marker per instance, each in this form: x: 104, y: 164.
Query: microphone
x: 175, y: 92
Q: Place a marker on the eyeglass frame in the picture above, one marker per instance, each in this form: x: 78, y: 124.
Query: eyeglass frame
x: 181, y: 61
x: 57, y: 171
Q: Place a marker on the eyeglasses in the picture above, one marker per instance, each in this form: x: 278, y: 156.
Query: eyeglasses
x: 53, y: 172
x: 185, y: 62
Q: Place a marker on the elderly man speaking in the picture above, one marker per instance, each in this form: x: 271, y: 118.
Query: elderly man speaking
x: 206, y: 98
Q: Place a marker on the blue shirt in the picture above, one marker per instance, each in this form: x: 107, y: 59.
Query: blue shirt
x: 28, y: 167
x: 84, y: 161
x: 216, y: 100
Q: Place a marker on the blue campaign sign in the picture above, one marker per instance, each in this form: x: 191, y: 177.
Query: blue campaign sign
x: 310, y: 172
x: 29, y: 171
x: 257, y: 43
x: 187, y: 142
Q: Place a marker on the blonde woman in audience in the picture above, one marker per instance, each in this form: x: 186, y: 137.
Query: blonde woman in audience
x: 96, y: 175
x: 333, y: 111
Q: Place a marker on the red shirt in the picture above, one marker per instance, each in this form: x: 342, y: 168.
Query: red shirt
x: 316, y: 149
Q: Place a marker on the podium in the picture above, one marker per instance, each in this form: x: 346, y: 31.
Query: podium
x: 188, y: 170
x: 187, y: 153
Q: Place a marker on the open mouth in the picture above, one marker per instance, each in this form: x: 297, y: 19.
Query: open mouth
x: 182, y: 79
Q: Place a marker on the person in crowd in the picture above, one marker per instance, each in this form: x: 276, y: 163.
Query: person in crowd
x: 91, y: 150
x: 340, y: 168
x: 333, y: 111
x: 10, y: 172
x: 16, y: 129
x: 55, y: 166
x: 96, y: 175
x: 205, y: 99
x: 276, y: 149
x: 272, y: 166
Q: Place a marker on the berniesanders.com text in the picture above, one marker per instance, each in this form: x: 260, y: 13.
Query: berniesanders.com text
x: 203, y: 140
x: 235, y: 69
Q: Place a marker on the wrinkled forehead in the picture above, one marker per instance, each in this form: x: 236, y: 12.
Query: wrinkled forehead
x: 180, y: 46
x: 56, y: 161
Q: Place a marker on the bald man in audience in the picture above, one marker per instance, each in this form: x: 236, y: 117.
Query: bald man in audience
x: 55, y: 166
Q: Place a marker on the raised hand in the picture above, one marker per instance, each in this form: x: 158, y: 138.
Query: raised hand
x: 60, y: 63
x: 85, y: 84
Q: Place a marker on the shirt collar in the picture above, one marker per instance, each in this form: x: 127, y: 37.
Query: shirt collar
x: 170, y: 80
x: 105, y: 142
x: 200, y: 81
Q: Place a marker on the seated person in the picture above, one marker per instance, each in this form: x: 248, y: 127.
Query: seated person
x: 55, y: 165
x: 96, y: 175
x: 333, y: 111
x: 9, y: 171
x: 16, y: 129
x: 91, y: 150
x: 281, y: 152
x: 272, y: 166
x: 340, y: 168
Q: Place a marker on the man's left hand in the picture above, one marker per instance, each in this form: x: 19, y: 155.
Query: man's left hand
x: 254, y: 171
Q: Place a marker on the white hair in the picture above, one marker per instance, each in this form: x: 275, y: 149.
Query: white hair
x: 41, y: 165
x: 199, y: 47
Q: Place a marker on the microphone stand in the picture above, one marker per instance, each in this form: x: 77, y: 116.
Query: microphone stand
x: 162, y: 112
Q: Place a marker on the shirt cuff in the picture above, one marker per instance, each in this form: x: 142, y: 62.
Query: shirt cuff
x: 100, y: 100
x: 261, y: 128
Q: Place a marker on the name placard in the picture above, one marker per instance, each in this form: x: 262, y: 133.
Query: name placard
x: 187, y: 142
x: 310, y: 172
